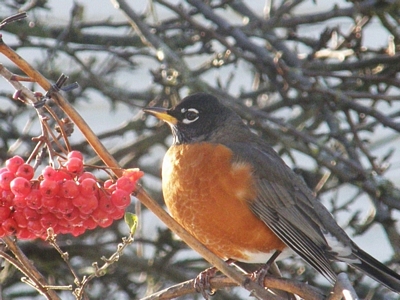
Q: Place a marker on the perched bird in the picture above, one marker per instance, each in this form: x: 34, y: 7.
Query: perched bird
x: 232, y: 191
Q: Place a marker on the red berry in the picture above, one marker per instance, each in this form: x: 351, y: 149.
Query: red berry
x: 83, y: 216
x: 7, y: 197
x: 64, y: 223
x: 74, y: 214
x: 50, y: 202
x: 35, y: 227
x: 49, y: 188
x: 62, y: 229
x: 9, y: 226
x: 117, y: 214
x: 105, y: 222
x: 65, y: 226
x: 124, y: 183
x: 100, y: 216
x: 78, y: 230
x: 19, y: 202
x: 13, y: 163
x: 106, y: 204
x: 20, y: 186
x: 25, y: 234
x: 111, y: 188
x: 74, y: 165
x: 62, y: 175
x: 5, y: 179
x: 90, y: 204
x: 133, y: 174
x: 42, y: 210
x: 69, y: 189
x: 34, y: 199
x: 25, y: 171
x: 76, y: 222
x: 85, y: 175
x: 31, y: 214
x: 48, y: 220
x: 76, y: 154
x: 79, y: 201
x: 88, y: 187
x: 5, y: 212
x: 64, y: 206
x: 89, y: 223
x: 49, y: 173
x: 108, y: 183
x: 120, y: 198
x: 19, y: 217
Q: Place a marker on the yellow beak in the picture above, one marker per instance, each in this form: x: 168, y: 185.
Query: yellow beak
x: 162, y: 114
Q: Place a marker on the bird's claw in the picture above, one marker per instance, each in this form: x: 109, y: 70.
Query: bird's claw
x: 259, y: 275
x: 202, y: 283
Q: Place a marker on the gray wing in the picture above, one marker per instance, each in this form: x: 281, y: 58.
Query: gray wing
x: 286, y: 205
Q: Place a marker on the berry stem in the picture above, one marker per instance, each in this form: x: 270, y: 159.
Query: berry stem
x: 29, y: 97
x: 69, y: 110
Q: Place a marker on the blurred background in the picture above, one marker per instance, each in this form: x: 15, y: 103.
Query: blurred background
x: 318, y: 79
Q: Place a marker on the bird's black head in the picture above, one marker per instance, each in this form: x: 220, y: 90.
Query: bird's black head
x: 199, y: 117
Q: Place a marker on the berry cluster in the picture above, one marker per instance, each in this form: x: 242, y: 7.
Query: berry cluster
x: 67, y: 199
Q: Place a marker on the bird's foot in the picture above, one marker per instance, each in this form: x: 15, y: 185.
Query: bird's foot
x: 260, y: 274
x: 202, y: 282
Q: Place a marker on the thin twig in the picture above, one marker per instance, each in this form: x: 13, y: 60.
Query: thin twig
x: 101, y: 271
x: 51, y: 239
x: 34, y: 276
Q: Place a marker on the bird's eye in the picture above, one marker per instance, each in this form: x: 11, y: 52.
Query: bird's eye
x: 191, y: 115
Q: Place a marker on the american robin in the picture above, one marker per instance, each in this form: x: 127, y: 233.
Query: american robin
x: 233, y: 192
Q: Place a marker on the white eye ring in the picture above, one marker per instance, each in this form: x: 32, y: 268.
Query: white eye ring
x: 191, y: 115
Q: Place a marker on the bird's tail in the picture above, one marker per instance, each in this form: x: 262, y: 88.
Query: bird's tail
x: 377, y: 270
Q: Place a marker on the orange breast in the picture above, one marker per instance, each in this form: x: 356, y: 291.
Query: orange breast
x: 208, y: 195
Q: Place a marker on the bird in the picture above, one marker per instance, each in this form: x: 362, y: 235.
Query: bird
x: 231, y: 190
